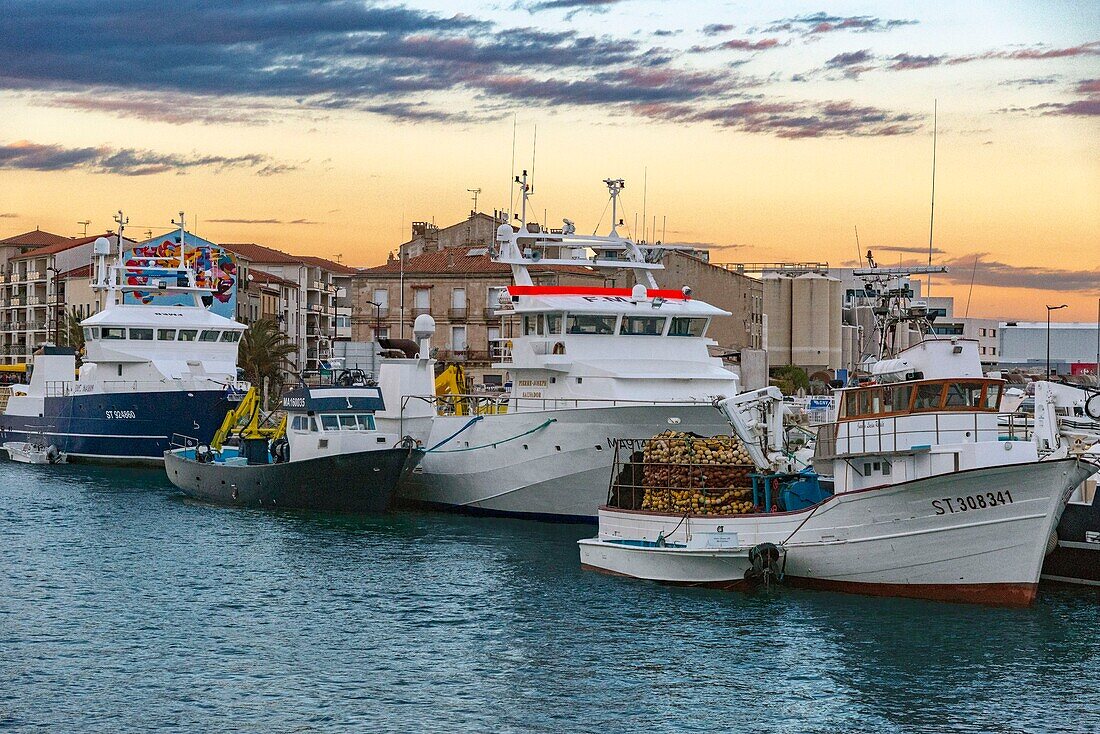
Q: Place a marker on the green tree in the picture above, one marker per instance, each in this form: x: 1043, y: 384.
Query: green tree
x: 70, y: 333
x: 790, y: 379
x: 265, y: 352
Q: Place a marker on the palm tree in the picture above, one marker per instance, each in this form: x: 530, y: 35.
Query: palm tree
x: 70, y: 333
x: 264, y: 353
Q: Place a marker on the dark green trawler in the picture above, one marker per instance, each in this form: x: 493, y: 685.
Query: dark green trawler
x: 326, y: 454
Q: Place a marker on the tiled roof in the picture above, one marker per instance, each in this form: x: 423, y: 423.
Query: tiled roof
x: 259, y: 276
x: 329, y: 265
x: 35, y: 238
x: 65, y: 244
x: 84, y: 271
x: 261, y: 254
x: 458, y: 260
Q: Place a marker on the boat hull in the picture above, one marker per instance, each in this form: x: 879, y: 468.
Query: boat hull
x: 1076, y: 557
x: 120, y: 427
x: 899, y: 540
x: 723, y: 569
x: 508, y: 465
x: 360, y: 482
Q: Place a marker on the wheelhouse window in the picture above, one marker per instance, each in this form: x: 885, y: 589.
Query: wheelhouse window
x: 993, y: 396
x: 532, y: 324
x: 188, y: 335
x: 114, y: 332
x: 880, y: 400
x: 348, y: 423
x: 366, y: 422
x: 210, y: 335
x: 643, y: 325
x: 144, y: 335
x: 591, y: 323
x: 687, y: 326
x: 231, y: 336
x: 330, y: 423
x: 166, y: 335
x: 553, y: 323
x: 928, y: 396
x: 300, y: 424
x: 963, y: 395
x: 91, y: 333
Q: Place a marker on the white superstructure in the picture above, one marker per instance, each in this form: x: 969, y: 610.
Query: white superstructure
x: 148, y: 371
x: 926, y: 499
x: 587, y: 364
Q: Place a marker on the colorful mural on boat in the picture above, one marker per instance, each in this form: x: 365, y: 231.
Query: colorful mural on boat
x: 214, y: 268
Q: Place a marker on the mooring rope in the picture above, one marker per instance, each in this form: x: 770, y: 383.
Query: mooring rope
x: 435, y: 449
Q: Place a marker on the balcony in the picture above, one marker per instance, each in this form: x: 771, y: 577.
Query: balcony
x: 36, y: 301
x: 15, y: 302
x: 35, y: 275
x: 416, y: 311
x: 456, y: 314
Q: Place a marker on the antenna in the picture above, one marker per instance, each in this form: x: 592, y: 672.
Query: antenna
x: 614, y: 188
x: 475, y: 192
x: 512, y: 172
x: 859, y: 250
x: 534, y: 140
x: 664, y: 228
x: 932, y: 209
x: 645, y: 190
x: 182, y: 223
x: 85, y: 222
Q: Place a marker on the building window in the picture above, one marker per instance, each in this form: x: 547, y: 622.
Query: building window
x: 422, y: 298
x: 381, y: 296
x: 993, y: 350
x: 382, y: 333
x: 458, y: 339
x: 993, y: 332
x: 981, y: 332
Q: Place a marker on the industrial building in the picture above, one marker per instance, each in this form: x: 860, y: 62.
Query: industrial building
x: 1074, y: 347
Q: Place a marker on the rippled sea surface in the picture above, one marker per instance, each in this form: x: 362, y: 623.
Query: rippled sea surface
x: 125, y: 607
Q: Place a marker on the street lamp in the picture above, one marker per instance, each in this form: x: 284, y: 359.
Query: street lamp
x: 377, y: 317
x: 1049, y: 309
x: 52, y: 308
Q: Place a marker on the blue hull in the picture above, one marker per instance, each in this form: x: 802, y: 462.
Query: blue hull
x: 121, y: 427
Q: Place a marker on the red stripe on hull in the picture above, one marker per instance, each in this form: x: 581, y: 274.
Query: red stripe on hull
x: 1004, y: 595
x: 576, y: 290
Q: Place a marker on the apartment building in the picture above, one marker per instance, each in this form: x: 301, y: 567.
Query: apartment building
x: 460, y: 288
x: 477, y: 229
x: 310, y: 311
x: 33, y: 299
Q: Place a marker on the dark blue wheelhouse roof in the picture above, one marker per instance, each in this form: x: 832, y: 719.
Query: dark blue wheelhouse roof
x: 332, y: 399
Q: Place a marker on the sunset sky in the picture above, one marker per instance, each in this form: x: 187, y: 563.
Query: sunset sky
x: 767, y: 131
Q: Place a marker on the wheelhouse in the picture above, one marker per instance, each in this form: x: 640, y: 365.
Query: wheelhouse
x: 922, y: 396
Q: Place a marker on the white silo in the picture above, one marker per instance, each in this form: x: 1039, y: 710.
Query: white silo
x: 777, y: 305
x: 836, y: 321
x: 810, y: 306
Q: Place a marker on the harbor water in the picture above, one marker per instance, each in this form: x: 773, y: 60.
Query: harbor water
x: 125, y: 607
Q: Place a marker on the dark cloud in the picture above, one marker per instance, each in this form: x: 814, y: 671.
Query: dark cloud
x: 914, y: 250
x: 262, y: 221
x: 852, y: 63
x: 8, y: 215
x: 786, y: 119
x: 1035, y: 53
x: 821, y: 22
x: 716, y: 29
x: 1035, y: 81
x: 1088, y: 106
x: 253, y: 61
x: 905, y: 62
x: 28, y: 156
x: 572, y: 6
x: 666, y: 32
x: 1002, y: 275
